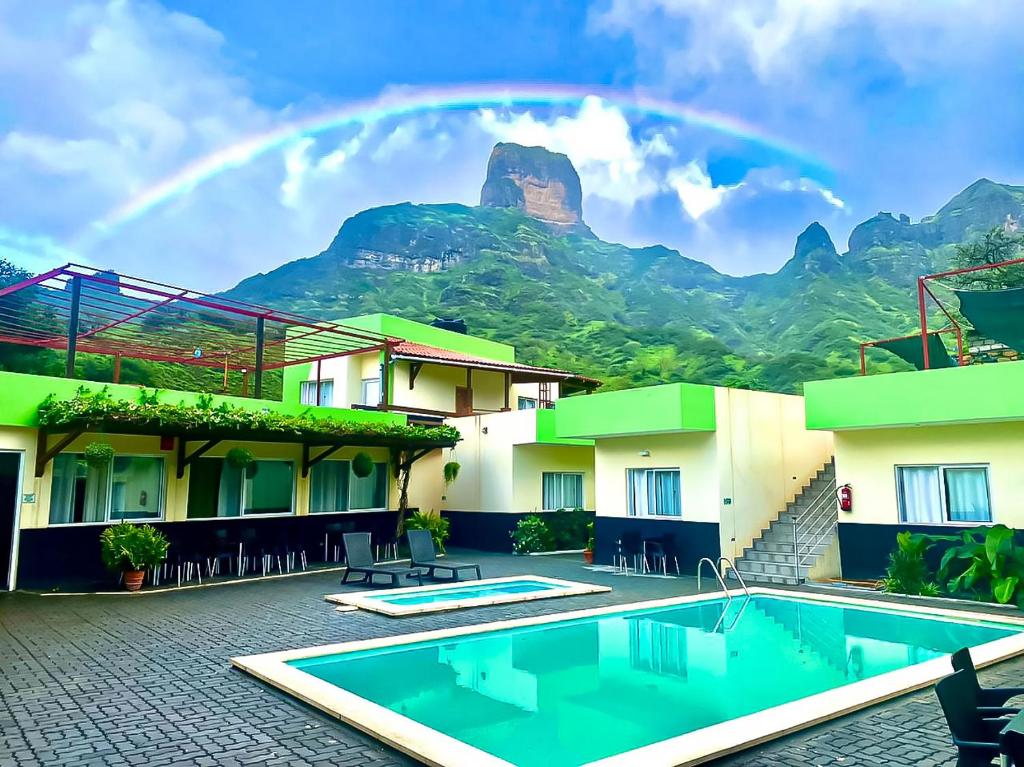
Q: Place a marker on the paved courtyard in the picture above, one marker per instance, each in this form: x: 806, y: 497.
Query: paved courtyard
x: 145, y: 680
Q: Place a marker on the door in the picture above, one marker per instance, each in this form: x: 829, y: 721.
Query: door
x: 463, y: 401
x: 10, y: 490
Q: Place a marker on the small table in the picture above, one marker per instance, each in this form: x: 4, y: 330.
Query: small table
x: 1011, y: 740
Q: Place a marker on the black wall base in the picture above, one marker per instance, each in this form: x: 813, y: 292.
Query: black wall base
x: 69, y: 556
x: 685, y: 540
x: 864, y: 549
x: 482, y: 530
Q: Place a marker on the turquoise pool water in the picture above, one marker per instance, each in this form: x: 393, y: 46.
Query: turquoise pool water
x: 466, y: 591
x: 566, y: 693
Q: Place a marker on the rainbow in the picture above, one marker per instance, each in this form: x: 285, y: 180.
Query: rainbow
x: 407, y: 102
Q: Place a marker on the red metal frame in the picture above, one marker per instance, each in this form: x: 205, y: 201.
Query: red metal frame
x: 115, y: 314
x: 959, y: 345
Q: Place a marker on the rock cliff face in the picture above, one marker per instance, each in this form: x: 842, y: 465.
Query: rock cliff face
x: 542, y: 184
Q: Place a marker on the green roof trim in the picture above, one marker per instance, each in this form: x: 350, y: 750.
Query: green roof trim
x: 421, y: 333
x: 547, y: 434
x: 972, y: 394
x: 23, y: 394
x: 649, y: 410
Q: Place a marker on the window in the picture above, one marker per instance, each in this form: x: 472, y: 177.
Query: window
x: 130, y: 487
x: 527, y: 403
x: 307, y: 393
x: 938, y: 494
x: 653, y: 493
x: 333, y: 487
x: 369, y: 392
x: 218, y: 489
x: 562, y: 490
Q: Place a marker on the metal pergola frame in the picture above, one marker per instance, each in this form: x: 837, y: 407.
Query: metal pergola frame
x: 82, y: 309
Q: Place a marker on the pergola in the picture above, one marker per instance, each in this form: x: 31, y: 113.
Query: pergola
x: 77, y: 308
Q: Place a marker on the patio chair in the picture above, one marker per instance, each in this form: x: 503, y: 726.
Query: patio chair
x: 422, y: 554
x: 991, y: 700
x: 975, y: 737
x: 359, y: 559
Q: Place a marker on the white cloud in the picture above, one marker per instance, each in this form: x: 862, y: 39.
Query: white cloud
x: 696, y: 193
x: 808, y: 186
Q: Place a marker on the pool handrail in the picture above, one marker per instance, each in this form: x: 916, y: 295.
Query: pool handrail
x: 718, y: 576
x: 730, y: 565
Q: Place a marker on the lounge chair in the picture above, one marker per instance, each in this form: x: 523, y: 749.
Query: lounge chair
x: 421, y: 548
x: 991, y: 700
x: 359, y: 559
x: 975, y: 737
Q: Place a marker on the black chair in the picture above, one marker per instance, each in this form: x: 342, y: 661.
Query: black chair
x: 221, y: 550
x: 975, y: 737
x: 991, y: 700
x: 422, y: 554
x: 631, y: 546
x: 359, y: 559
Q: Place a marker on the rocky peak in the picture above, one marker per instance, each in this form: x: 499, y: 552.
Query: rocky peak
x: 814, y: 251
x: 540, y: 183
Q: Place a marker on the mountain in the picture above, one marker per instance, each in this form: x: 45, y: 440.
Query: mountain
x: 523, y: 268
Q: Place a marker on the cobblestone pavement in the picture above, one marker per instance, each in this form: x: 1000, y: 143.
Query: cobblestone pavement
x: 145, y: 680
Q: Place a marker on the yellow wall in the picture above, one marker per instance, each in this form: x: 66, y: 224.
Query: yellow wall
x: 36, y: 515
x: 867, y: 460
x: 529, y: 462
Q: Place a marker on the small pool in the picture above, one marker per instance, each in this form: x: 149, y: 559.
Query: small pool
x: 455, y: 596
x: 663, y: 683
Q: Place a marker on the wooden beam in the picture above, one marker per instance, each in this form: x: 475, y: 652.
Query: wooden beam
x: 416, y: 456
x: 308, y: 461
x: 186, y: 459
x: 508, y: 387
x: 46, y: 454
x: 414, y: 370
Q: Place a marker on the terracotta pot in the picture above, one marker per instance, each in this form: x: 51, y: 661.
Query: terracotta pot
x: 133, y: 579
x: 588, y: 556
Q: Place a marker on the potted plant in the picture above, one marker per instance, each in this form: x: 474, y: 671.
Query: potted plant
x: 362, y: 465
x: 588, y: 550
x: 130, y: 548
x: 451, y: 473
x: 98, y: 455
x: 242, y: 459
x: 531, y: 535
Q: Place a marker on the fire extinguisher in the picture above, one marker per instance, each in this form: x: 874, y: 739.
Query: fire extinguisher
x: 845, y: 496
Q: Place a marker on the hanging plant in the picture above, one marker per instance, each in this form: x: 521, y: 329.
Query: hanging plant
x: 99, y: 454
x: 362, y: 465
x: 240, y: 458
x: 451, y: 472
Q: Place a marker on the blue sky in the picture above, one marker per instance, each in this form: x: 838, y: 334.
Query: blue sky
x: 126, y: 127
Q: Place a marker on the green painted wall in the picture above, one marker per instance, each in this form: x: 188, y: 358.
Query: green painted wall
x: 294, y: 375
x: 547, y: 434
x: 21, y: 395
x: 976, y: 393
x: 649, y: 410
x: 420, y: 333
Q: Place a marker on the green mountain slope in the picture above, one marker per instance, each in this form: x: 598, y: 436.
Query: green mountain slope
x: 634, y: 316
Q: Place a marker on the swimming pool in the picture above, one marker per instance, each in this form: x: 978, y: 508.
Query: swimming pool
x: 671, y: 682
x: 455, y: 596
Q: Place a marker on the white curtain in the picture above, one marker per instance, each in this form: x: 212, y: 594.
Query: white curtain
x: 329, y: 487
x: 920, y: 494
x: 665, y: 490
x: 967, y: 495
x: 562, y: 490
x: 636, y: 479
x: 62, y: 489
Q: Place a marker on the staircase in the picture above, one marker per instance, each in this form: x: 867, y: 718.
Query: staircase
x: 788, y: 548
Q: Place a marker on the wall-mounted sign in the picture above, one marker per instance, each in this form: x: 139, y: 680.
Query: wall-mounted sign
x: 28, y: 498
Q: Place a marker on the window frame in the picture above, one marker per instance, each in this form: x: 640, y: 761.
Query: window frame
x: 521, y: 400
x: 161, y: 517
x: 311, y: 384
x: 943, y: 493
x: 293, y: 503
x: 583, y: 487
x: 348, y: 494
x: 362, y: 391
x: 630, y: 505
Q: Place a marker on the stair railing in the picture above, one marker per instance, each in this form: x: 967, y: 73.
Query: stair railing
x: 813, y: 526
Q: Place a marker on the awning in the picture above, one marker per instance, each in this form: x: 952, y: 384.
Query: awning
x: 910, y: 349
x: 996, y: 314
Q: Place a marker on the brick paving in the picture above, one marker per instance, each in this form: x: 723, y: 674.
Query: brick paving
x: 145, y: 680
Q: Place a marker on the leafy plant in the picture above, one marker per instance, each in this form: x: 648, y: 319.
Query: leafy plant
x: 438, y: 526
x: 568, y: 527
x: 451, y: 472
x: 362, y: 465
x: 908, y: 571
x: 985, y: 564
x: 99, y: 454
x: 127, y: 546
x: 590, y: 536
x: 531, y: 535
x: 239, y: 457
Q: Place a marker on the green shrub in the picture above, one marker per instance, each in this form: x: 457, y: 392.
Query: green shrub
x: 362, y: 465
x: 568, y: 528
x: 127, y: 546
x: 908, y: 571
x: 531, y: 534
x: 985, y: 564
x: 438, y: 526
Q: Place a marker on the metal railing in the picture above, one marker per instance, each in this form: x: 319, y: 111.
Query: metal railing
x: 718, y: 575
x: 730, y: 566
x: 814, y: 526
